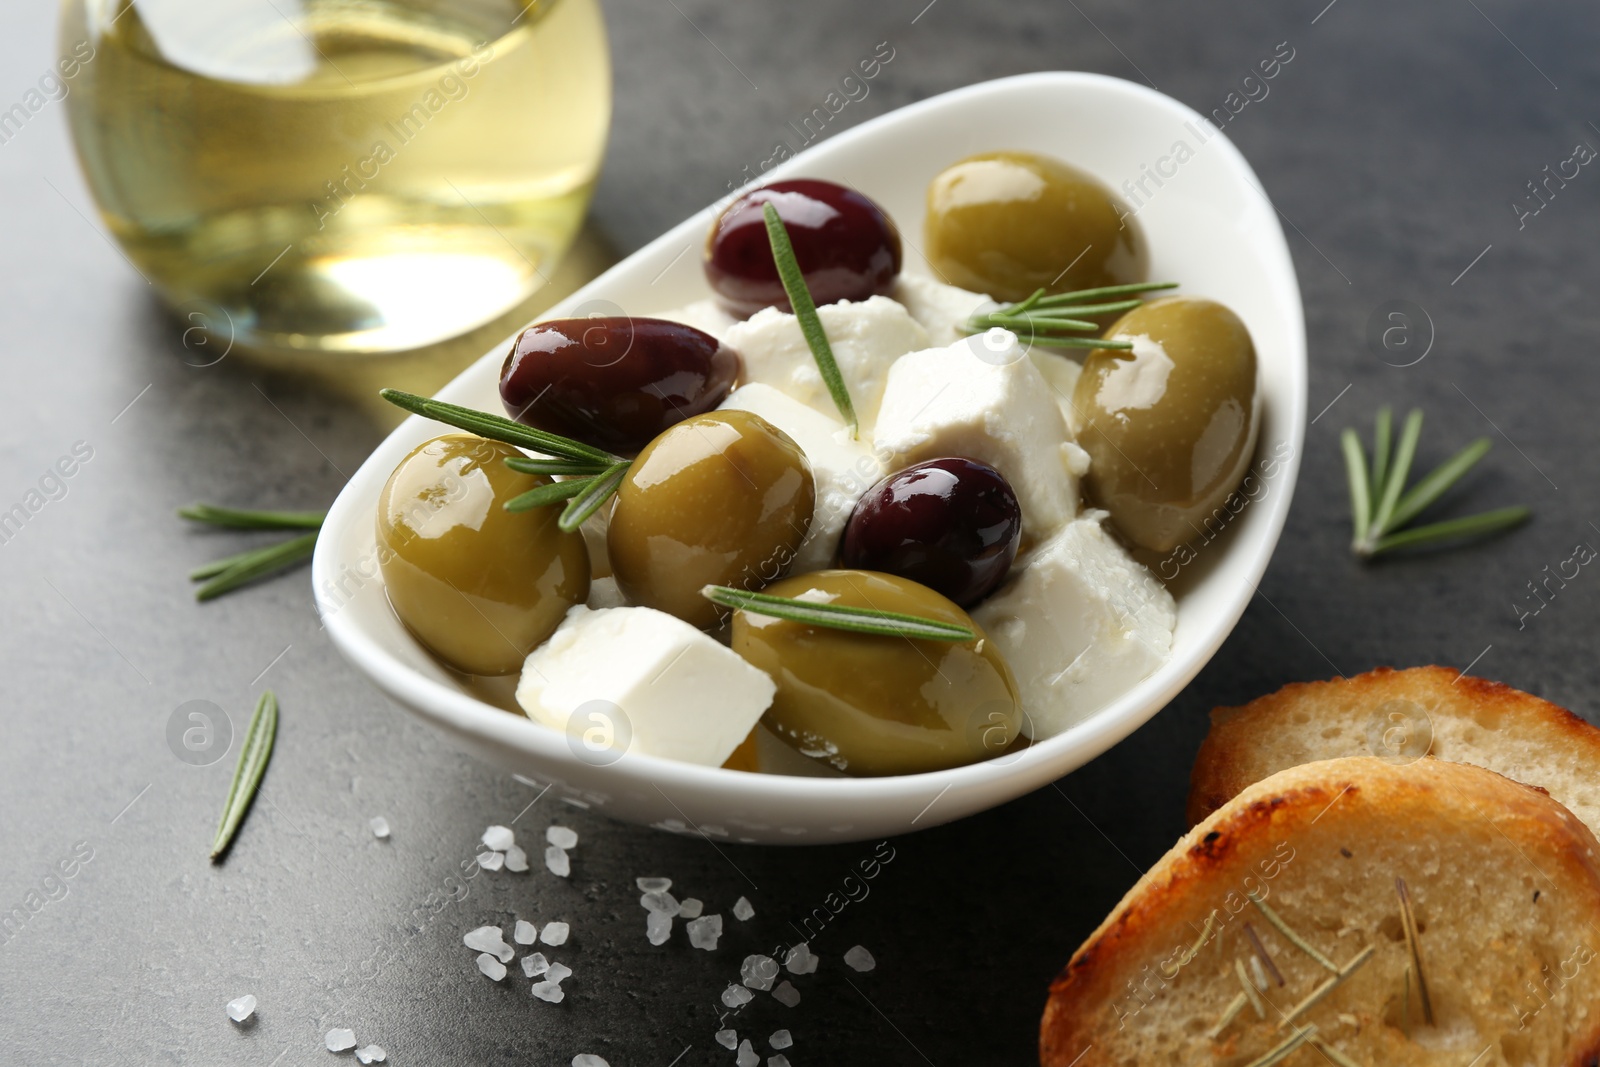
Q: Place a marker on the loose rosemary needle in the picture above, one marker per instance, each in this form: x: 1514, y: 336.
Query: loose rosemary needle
x: 230, y: 572
x: 805, y: 310
x: 254, y: 755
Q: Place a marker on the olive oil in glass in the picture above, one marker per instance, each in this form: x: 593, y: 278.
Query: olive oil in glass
x: 341, y: 176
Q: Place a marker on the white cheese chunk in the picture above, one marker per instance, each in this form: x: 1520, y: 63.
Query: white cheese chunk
x: 1080, y: 623
x: 842, y: 468
x: 707, y: 315
x: 1061, y: 373
x: 866, y: 337
x: 939, y: 308
x: 644, y: 681
x: 984, y: 399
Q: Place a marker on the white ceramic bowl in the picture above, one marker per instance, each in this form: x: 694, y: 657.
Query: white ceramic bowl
x: 1209, y: 225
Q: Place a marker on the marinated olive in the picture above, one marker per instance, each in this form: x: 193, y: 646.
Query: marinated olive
x: 1169, y: 425
x: 723, y: 498
x: 480, y: 586
x: 847, y: 247
x: 614, y: 383
x: 873, y: 705
x: 1008, y: 223
x: 952, y: 524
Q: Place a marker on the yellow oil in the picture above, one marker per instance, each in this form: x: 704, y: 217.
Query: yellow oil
x: 340, y: 176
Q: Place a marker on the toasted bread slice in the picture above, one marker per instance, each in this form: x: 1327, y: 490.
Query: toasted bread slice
x: 1505, y: 890
x: 1400, y: 716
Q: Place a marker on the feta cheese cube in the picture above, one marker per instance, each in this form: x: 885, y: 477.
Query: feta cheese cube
x: 984, y: 399
x: 939, y: 308
x: 706, y: 315
x: 866, y: 337
x: 651, y: 681
x: 1080, y: 622
x: 1061, y: 374
x: 842, y: 468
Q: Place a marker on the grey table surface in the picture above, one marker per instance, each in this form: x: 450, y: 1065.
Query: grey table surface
x: 1395, y: 143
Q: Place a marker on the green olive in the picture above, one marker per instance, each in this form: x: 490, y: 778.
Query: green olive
x: 480, y: 586
x: 1170, y: 425
x: 723, y: 498
x: 1008, y: 223
x: 873, y: 705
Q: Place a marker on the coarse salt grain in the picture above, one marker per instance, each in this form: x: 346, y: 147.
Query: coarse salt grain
x: 340, y: 1040
x: 556, y: 859
x: 653, y: 885
x: 742, y: 910
x: 524, y: 933
x: 658, y: 927
x: 489, y: 939
x: 554, y: 933
x: 241, y: 1008
x: 746, y: 1056
x: 736, y: 996
x: 371, y: 1054
x: 728, y: 1039
x: 690, y: 908
x: 491, y: 861
x: 704, y: 931
x: 534, y: 964
x: 665, y: 903
x: 780, y: 1039
x: 786, y: 994
x: 498, y: 838
x: 779, y: 1060
x: 800, y: 960
x: 380, y: 827
x: 491, y: 966
x: 562, y: 836
x: 549, y: 991
x: 860, y: 959
x: 516, y: 859
x: 588, y: 1059
x: 558, y: 973
x: 758, y: 972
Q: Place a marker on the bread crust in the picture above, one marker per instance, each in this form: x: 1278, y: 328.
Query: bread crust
x: 1367, y: 797
x: 1231, y: 756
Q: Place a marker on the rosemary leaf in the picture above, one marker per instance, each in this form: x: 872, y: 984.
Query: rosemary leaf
x: 1263, y: 954
x: 837, y: 616
x: 1389, y: 495
x: 1453, y: 529
x: 1282, y: 1051
x: 1408, y: 921
x: 523, y: 465
x: 1318, y: 994
x: 1441, y: 478
x: 805, y: 310
x: 1082, y: 295
x: 254, y: 755
x: 596, y: 492
x: 1333, y: 1054
x: 495, y: 427
x: 1382, y: 441
x: 247, y: 519
x: 1250, y: 991
x: 1293, y: 938
x: 553, y: 493
x: 1057, y: 341
x: 248, y: 566
x: 1029, y: 320
x: 1355, y: 467
x: 1230, y: 1013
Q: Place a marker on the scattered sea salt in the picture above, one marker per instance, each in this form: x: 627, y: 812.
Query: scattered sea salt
x: 800, y: 959
x: 588, y: 1059
x: 340, y: 1040
x: 549, y: 991
x: 742, y: 910
x: 658, y: 927
x: 380, y: 827
x: 489, y: 939
x: 554, y: 933
x: 534, y: 964
x: 556, y: 859
x: 758, y: 972
x: 498, y: 838
x: 491, y: 966
x: 371, y: 1054
x: 736, y: 996
x: 747, y: 1056
x: 562, y: 836
x: 778, y: 1061
x: 786, y: 994
x: 653, y: 885
x: 780, y: 1039
x: 516, y: 859
x: 524, y: 933
x: 689, y: 908
x: 491, y: 861
x: 704, y: 931
x: 728, y: 1039
x: 241, y: 1008
x: 558, y: 972
x: 860, y: 959
x: 665, y: 903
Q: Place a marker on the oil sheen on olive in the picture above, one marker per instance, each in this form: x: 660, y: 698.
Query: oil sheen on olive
x: 952, y: 524
x: 480, y: 586
x: 846, y: 246
x: 1170, y: 426
x: 873, y: 705
x: 1008, y: 223
x: 723, y: 498
x: 616, y: 382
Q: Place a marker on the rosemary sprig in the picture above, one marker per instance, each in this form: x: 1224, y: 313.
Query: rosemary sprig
x: 1058, y: 320
x: 248, y: 519
x: 254, y: 755
x: 837, y: 616
x: 1408, y: 920
x: 596, y: 491
x: 1381, y: 506
x: 497, y: 428
x: 231, y: 572
x: 805, y: 310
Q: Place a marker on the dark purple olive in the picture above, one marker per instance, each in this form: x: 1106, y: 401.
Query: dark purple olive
x: 846, y: 245
x: 614, y: 383
x: 952, y: 524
